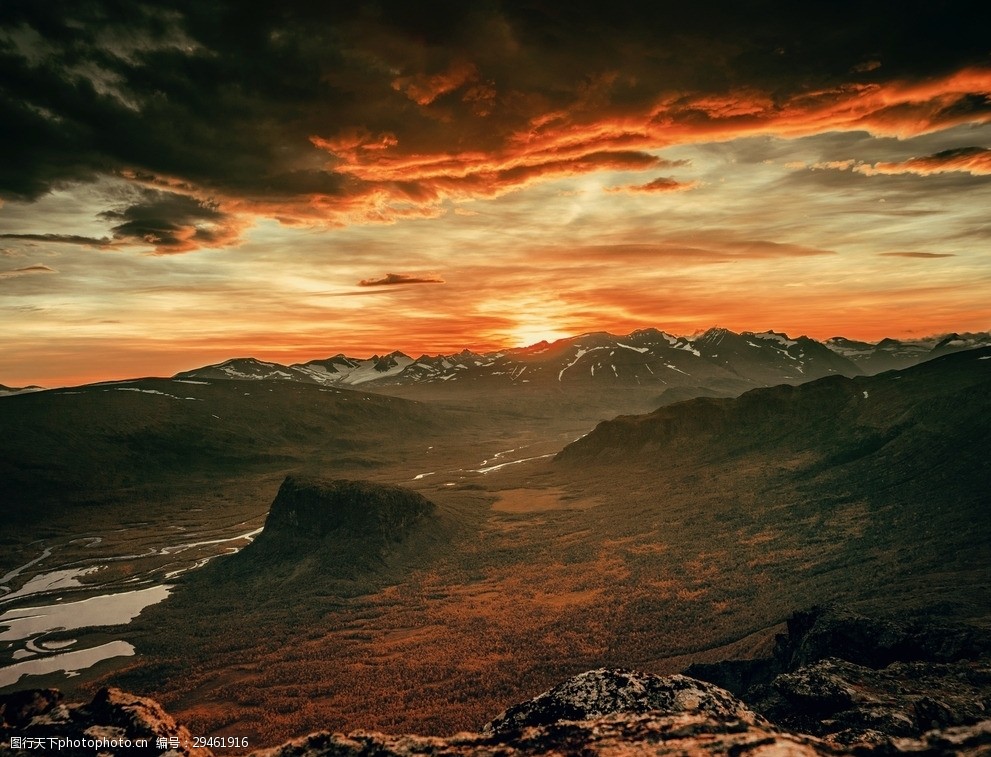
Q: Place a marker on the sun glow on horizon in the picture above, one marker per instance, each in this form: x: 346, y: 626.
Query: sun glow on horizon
x: 529, y: 334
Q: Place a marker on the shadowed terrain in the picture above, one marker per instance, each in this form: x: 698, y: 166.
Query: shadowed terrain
x: 655, y: 541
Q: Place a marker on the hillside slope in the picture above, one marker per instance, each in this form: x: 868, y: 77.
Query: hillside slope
x: 837, y: 419
x: 882, y: 475
x: 124, y: 441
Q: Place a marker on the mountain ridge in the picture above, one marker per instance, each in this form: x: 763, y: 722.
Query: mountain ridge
x: 520, y: 364
x: 717, y: 358
x: 735, y: 421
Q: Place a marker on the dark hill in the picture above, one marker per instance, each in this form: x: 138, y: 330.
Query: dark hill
x: 837, y: 417
x: 873, y: 489
x: 309, y: 510
x: 322, y: 532
x: 323, y: 540
x: 142, y: 440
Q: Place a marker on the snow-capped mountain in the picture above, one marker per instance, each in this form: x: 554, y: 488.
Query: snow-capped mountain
x: 957, y: 342
x: 246, y: 368
x: 648, y: 358
x: 770, y: 357
x: 894, y: 354
x: 718, y: 359
x: 341, y: 369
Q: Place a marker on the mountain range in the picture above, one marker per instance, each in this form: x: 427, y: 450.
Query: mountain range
x: 722, y: 361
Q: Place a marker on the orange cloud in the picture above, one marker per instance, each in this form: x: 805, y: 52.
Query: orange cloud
x: 387, y: 176
x: 390, y: 189
x: 565, y: 141
x: 350, y: 140
x: 972, y: 160
x: 736, y: 105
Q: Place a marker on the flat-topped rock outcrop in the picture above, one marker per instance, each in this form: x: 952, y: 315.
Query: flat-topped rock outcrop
x: 311, y: 509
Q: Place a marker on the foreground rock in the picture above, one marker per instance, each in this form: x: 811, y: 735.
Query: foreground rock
x: 606, y: 692
x: 855, y: 680
x: 114, y: 723
x: 621, y: 734
x: 850, y: 704
x: 810, y: 698
x: 602, y: 712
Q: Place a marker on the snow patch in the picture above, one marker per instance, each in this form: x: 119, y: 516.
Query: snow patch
x: 578, y: 355
x: 779, y: 338
x: 631, y: 347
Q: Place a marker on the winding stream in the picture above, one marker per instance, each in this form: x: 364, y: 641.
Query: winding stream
x: 54, y: 608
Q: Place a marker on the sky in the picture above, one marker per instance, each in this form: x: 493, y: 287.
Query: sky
x: 187, y: 181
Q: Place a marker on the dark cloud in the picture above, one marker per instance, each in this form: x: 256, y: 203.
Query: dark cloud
x: 222, y: 99
x: 27, y: 271
x: 866, y: 66
x: 172, y: 223
x: 38, y: 268
x: 61, y: 239
x: 392, y: 279
x: 918, y: 254
x: 660, y: 184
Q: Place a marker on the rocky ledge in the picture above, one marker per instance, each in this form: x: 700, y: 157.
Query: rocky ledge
x: 37, y: 721
x: 858, y: 680
x: 808, y: 699
x: 601, y: 712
